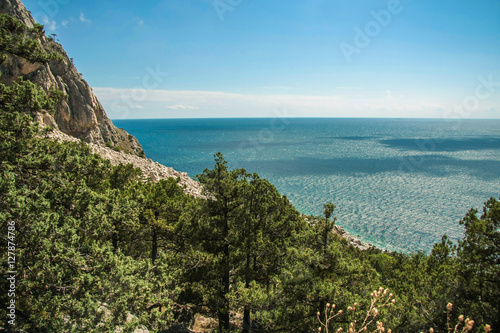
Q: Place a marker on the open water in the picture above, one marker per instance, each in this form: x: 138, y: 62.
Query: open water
x: 399, y: 184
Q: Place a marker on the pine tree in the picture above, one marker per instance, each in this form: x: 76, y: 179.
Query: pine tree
x: 479, y: 255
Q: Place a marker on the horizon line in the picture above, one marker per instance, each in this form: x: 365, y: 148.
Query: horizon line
x: 311, y: 117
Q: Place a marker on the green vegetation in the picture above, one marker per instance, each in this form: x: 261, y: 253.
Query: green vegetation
x: 16, y: 38
x: 100, y: 247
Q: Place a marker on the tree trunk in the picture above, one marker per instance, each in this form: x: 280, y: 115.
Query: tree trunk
x: 154, y: 246
x: 223, y: 320
x: 224, y: 311
x: 247, y: 320
x: 226, y: 281
x: 224, y: 306
x: 325, y: 238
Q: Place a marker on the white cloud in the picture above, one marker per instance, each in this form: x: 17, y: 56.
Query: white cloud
x: 50, y: 25
x: 65, y: 23
x: 119, y: 105
x: 83, y: 19
x: 348, y: 88
x: 279, y: 87
x: 389, y: 96
x: 182, y: 107
x: 174, y: 104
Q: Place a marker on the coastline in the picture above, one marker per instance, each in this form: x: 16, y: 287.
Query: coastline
x: 356, y: 242
x: 157, y: 171
x: 340, y: 231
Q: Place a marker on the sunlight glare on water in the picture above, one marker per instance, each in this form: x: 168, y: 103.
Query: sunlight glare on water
x: 398, y: 184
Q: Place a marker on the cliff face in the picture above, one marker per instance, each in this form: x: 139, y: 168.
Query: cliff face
x: 81, y: 115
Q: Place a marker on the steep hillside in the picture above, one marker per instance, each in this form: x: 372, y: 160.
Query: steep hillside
x: 153, y: 170
x: 80, y: 115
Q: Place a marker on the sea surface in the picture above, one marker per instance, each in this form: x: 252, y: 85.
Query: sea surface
x: 399, y: 184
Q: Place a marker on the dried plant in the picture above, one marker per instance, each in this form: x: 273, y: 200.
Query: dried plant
x: 463, y: 325
x: 379, y: 299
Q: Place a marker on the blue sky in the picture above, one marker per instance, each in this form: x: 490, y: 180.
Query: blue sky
x: 256, y: 58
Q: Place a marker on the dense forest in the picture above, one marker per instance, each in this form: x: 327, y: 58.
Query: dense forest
x: 102, y: 248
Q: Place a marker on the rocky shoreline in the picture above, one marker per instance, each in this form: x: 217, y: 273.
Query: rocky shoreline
x: 351, y: 239
x: 338, y: 230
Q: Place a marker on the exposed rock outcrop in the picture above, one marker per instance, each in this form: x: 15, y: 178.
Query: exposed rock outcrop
x: 340, y: 231
x: 351, y: 239
x: 154, y: 170
x: 80, y: 115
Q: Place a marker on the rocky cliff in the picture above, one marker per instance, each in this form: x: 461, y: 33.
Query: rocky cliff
x: 80, y: 115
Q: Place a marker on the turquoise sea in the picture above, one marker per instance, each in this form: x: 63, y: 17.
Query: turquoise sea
x: 399, y: 184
